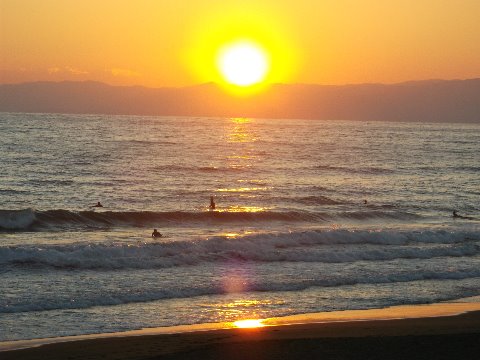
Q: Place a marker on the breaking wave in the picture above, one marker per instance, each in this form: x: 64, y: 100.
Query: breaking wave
x: 34, y: 220
x: 335, y: 246
x: 117, y: 298
x: 325, y: 248
x: 16, y: 219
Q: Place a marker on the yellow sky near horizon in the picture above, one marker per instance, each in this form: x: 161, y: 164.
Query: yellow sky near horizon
x: 174, y: 43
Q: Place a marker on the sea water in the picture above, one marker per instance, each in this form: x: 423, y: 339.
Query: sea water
x: 310, y: 216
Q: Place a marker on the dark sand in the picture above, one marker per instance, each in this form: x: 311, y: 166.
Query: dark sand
x: 445, y: 337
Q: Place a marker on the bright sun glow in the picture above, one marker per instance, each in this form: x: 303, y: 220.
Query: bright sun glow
x: 243, y: 63
x: 244, y: 324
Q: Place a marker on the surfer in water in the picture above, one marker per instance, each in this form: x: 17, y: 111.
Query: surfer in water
x: 156, y: 234
x: 98, y: 205
x: 212, y: 203
x: 456, y: 216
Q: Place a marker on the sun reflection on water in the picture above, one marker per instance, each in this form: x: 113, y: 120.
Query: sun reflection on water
x: 236, y: 307
x: 244, y: 189
x: 242, y: 209
x: 241, y: 132
x: 243, y: 153
x: 249, y: 323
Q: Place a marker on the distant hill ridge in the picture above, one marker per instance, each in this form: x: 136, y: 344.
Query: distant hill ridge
x: 419, y: 101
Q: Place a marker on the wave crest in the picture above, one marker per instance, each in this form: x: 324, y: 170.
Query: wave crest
x: 336, y: 246
x: 60, y: 219
x: 16, y: 219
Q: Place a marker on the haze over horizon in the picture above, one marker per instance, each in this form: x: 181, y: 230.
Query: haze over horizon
x: 219, y: 84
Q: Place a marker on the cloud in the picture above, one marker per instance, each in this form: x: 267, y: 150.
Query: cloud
x: 75, y: 71
x: 124, y: 72
x: 54, y: 70
x: 66, y: 69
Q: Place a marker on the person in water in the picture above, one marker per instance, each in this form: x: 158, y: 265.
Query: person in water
x: 455, y: 215
x: 98, y: 205
x: 212, y: 203
x: 156, y: 234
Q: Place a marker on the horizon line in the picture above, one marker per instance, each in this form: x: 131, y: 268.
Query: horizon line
x: 218, y: 84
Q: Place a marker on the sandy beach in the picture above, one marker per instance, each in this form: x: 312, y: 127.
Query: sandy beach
x: 439, y: 331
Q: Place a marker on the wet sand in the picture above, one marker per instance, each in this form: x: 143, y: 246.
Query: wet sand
x: 413, y: 337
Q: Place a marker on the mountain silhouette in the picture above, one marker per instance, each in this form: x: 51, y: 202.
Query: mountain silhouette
x: 418, y: 101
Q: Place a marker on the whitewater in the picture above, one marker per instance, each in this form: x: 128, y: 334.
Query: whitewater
x: 311, y: 216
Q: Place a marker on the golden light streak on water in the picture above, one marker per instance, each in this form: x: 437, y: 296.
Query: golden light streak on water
x: 249, y: 323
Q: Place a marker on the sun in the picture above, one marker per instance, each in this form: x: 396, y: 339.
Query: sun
x: 243, y: 63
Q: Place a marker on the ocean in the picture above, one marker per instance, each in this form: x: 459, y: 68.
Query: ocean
x: 311, y: 216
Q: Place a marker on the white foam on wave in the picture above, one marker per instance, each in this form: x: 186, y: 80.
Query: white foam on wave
x: 108, y: 297
x: 335, y: 246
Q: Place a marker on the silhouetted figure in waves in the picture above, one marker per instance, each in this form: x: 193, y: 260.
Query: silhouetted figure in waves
x: 212, y: 203
x: 456, y: 216
x: 98, y: 205
x: 156, y: 234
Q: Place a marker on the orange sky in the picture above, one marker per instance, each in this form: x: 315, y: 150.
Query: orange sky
x: 174, y: 42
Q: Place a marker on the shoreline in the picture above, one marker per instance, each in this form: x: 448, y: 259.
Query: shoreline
x: 438, y: 322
